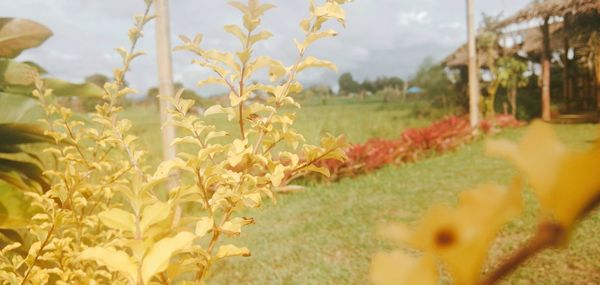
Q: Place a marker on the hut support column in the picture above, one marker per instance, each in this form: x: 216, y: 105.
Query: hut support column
x: 473, y: 67
x: 566, y: 79
x: 546, y: 70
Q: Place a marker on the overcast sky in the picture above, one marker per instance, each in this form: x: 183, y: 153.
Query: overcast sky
x: 383, y: 37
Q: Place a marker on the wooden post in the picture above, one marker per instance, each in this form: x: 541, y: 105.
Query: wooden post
x: 473, y: 67
x: 165, y: 78
x: 566, y: 63
x: 546, y: 53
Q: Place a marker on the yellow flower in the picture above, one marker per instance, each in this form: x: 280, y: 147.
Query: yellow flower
x: 400, y: 268
x: 565, y: 182
x: 461, y: 237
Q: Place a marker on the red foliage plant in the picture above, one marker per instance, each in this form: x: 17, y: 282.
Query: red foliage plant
x: 413, y: 144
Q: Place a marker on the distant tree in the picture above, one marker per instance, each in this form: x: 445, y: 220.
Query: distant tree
x: 98, y: 79
x: 433, y: 79
x: 511, y: 75
x: 393, y: 82
x: 488, y: 46
x: 368, y: 86
x: 89, y: 103
x: 347, y: 84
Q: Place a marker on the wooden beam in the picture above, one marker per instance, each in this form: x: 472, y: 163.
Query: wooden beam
x: 546, y: 53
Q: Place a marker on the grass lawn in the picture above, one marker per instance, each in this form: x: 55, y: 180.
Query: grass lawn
x: 327, y: 235
x: 358, y: 120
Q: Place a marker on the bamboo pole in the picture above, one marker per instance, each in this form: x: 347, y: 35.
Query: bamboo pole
x: 165, y: 78
x: 566, y: 83
x: 473, y: 67
x: 546, y: 53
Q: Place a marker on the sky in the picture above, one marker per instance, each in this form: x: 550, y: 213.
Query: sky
x: 382, y: 37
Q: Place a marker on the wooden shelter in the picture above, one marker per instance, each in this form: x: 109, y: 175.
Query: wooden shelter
x: 524, y: 41
x: 563, y: 29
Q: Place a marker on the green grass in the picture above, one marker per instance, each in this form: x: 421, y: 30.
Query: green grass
x: 357, y: 120
x: 327, y: 235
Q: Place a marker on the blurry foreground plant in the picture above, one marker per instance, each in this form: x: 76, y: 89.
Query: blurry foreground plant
x: 565, y: 182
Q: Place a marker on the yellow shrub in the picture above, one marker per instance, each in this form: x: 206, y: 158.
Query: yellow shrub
x: 104, y: 220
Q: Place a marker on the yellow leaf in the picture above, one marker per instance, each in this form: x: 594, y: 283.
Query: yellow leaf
x: 237, y: 32
x: 310, y: 62
x: 398, y: 268
x: 118, y: 219
x: 331, y: 10
x: 153, y: 214
x: 314, y: 168
x: 277, y: 175
x: 114, y: 260
x: 231, y: 250
x: 158, y: 258
x: 203, y: 226
x: 276, y: 68
x: 240, y: 6
x: 264, y: 35
x: 564, y: 181
x: 223, y: 57
x: 234, y: 227
x: 235, y: 100
x: 218, y: 109
x: 252, y: 200
x: 312, y: 37
x: 212, y: 80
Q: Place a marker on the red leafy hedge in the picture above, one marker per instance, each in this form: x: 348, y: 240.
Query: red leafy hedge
x: 413, y: 144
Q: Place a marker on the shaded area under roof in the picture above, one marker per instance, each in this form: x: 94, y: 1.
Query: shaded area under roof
x: 527, y: 41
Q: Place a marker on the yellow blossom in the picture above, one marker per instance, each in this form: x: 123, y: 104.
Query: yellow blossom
x: 565, y: 182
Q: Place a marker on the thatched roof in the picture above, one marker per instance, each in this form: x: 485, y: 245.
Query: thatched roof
x: 549, y: 8
x: 530, y: 43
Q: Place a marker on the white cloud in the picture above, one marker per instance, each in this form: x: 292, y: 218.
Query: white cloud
x: 413, y: 17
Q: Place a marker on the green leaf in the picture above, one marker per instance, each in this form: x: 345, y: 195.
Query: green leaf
x: 158, y: 258
x: 17, y: 35
x: 14, y: 134
x: 17, y: 73
x: 15, y: 208
x: 27, y: 170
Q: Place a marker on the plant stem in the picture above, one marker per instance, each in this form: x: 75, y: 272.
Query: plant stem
x: 548, y: 234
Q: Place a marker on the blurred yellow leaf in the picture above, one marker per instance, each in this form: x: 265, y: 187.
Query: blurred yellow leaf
x: 462, y: 236
x: 397, y: 268
x: 277, y: 175
x: 564, y: 181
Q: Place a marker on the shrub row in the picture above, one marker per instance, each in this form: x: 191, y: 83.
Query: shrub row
x: 413, y: 144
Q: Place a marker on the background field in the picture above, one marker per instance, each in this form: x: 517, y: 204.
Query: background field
x: 327, y: 235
